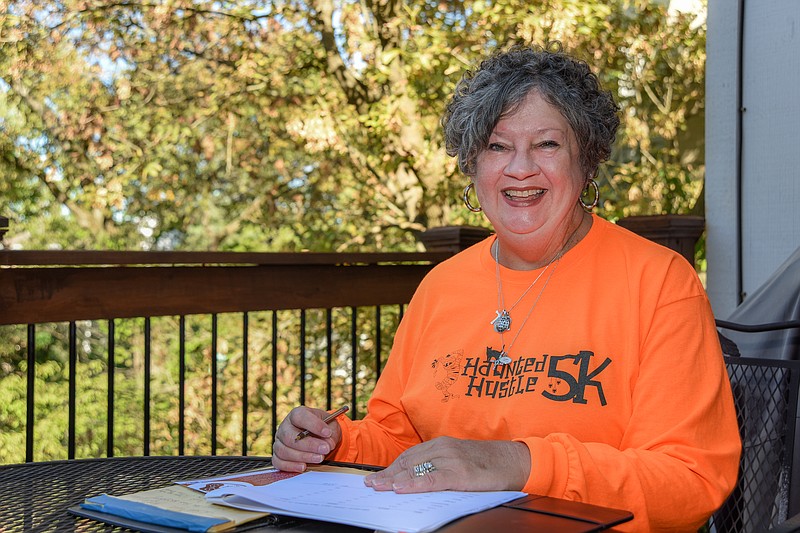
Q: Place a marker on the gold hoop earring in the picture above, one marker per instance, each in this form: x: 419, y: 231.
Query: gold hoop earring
x: 589, y: 207
x: 465, y: 197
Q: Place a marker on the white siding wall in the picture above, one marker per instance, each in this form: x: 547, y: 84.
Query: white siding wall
x: 770, y: 144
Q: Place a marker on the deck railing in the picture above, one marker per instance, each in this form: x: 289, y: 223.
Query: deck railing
x: 139, y: 353
x: 131, y: 343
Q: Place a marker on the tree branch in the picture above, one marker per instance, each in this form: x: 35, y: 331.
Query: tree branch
x: 356, y: 92
x: 85, y: 217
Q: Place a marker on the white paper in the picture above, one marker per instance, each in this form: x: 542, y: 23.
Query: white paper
x: 344, y: 498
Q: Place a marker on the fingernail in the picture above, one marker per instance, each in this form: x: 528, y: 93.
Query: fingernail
x: 317, y: 458
x: 400, y: 485
x: 323, y: 449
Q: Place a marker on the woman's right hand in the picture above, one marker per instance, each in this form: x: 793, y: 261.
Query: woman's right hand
x: 292, y: 455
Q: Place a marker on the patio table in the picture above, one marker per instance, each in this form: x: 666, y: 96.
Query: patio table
x: 36, y: 496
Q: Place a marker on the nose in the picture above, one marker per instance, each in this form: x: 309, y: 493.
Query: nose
x: 521, y: 165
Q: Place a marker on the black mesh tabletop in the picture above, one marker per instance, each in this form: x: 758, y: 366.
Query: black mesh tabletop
x: 36, y: 496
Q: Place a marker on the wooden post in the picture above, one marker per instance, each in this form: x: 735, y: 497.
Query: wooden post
x: 452, y: 239
x: 3, y: 227
x: 678, y: 232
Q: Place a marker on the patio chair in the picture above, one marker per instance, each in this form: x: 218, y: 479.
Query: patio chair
x: 761, y: 341
x: 767, y: 494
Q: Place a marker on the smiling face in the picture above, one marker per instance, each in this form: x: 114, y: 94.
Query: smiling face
x: 528, y: 179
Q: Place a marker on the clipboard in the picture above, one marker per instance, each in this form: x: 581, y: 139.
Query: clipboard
x: 541, y: 513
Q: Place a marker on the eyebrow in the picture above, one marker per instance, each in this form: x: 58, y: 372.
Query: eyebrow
x: 538, y: 131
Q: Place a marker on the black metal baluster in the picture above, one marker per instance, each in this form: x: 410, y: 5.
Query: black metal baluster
x: 274, y: 391
x: 302, y: 357
x: 146, y: 406
x: 354, y: 361
x: 110, y: 394
x: 73, y: 364
x: 30, y: 404
x: 214, y: 384
x: 182, y: 385
x: 329, y: 356
x: 245, y: 332
x: 377, y: 341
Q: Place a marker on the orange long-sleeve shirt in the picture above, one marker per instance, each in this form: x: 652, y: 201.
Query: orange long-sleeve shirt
x: 615, y: 383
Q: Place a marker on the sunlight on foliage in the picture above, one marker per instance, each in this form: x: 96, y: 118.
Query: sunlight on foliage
x: 277, y: 126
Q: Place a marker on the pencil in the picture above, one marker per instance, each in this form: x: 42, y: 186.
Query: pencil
x: 305, y: 433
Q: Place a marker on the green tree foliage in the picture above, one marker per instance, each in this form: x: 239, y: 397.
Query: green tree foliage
x: 277, y: 126
x: 129, y: 362
x: 286, y: 125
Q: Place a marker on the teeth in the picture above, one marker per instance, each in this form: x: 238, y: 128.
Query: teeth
x: 523, y: 195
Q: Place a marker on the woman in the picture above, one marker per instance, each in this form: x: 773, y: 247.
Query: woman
x: 563, y: 356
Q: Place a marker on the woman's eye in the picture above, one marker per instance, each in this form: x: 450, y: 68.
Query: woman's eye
x: 495, y: 147
x: 548, y: 144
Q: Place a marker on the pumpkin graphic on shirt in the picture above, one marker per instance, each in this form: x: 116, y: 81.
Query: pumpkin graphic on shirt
x: 445, y: 372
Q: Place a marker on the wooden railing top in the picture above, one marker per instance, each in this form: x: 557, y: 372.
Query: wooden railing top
x: 55, y: 286
x: 52, y: 258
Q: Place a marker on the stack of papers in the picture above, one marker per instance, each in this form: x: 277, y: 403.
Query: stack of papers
x: 329, y: 493
x: 343, y: 498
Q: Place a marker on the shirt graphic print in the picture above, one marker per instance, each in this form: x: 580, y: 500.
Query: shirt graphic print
x: 572, y: 378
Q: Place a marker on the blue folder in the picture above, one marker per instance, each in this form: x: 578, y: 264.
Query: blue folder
x: 141, y: 512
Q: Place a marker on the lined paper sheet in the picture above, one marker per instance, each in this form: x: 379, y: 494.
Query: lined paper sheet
x: 344, y: 499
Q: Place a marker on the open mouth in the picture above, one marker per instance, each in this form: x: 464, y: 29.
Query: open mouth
x: 525, y: 194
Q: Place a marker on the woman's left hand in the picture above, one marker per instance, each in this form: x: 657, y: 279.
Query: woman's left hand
x: 466, y: 465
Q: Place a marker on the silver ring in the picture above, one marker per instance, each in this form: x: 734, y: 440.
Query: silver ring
x: 423, y: 468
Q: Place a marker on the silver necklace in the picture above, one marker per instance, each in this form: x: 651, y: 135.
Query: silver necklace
x: 502, y: 357
x: 502, y: 322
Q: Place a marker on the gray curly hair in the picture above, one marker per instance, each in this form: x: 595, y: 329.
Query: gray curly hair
x: 503, y: 80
